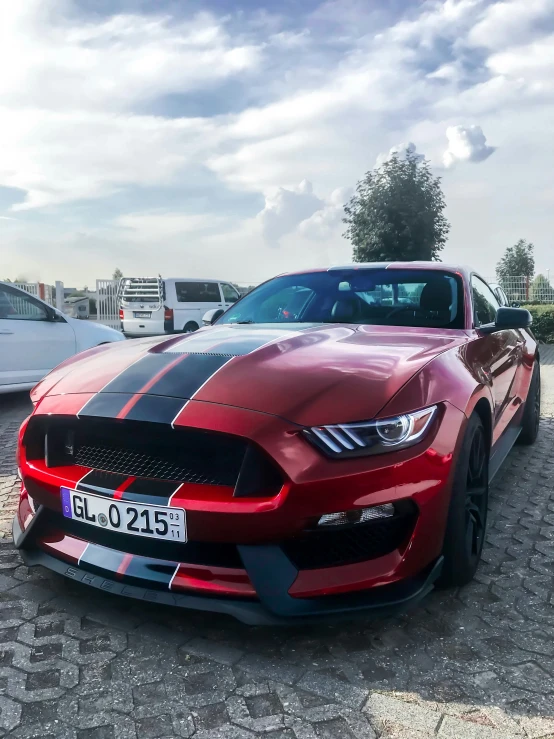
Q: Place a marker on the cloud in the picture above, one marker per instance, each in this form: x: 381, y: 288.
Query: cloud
x: 286, y: 209
x: 400, y: 150
x: 52, y: 59
x: 95, y: 118
x: 510, y: 23
x: 324, y: 223
x: 151, y: 226
x: 466, y: 144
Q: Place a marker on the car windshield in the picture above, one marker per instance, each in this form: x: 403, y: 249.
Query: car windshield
x: 385, y: 297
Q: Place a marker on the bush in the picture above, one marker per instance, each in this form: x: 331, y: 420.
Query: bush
x: 543, y: 321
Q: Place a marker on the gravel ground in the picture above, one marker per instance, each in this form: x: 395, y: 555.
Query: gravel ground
x: 473, y: 663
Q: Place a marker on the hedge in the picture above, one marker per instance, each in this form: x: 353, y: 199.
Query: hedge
x: 543, y: 322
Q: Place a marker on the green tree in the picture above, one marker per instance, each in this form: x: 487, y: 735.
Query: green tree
x: 518, y: 259
x: 516, y: 268
x: 541, y: 290
x: 117, y: 274
x: 397, y: 212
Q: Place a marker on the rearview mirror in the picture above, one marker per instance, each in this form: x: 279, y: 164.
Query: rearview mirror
x: 507, y: 318
x: 211, y: 316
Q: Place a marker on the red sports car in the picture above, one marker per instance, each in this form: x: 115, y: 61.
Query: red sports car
x: 323, y: 448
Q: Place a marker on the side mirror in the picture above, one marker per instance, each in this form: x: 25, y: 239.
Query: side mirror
x: 507, y: 318
x: 211, y: 316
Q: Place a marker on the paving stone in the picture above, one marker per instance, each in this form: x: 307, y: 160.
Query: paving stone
x: 383, y: 708
x: 473, y: 663
x: 455, y: 728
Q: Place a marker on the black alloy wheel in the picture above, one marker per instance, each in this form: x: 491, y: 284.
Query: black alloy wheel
x: 476, y: 495
x: 467, y: 514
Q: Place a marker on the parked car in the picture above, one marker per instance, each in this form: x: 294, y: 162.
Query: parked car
x: 316, y: 453
x: 34, y: 338
x: 152, y: 306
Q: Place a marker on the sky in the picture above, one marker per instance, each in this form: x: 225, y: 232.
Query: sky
x: 221, y: 139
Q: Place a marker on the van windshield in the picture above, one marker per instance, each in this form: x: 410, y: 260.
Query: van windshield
x: 387, y: 297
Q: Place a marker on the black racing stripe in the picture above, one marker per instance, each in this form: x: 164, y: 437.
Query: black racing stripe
x: 100, y: 559
x: 133, y: 379
x: 146, y: 490
x: 155, y: 408
x: 101, y: 483
x: 105, y: 405
x: 142, y: 570
x: 188, y: 376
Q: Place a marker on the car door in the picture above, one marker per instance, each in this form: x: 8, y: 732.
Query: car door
x: 31, y: 343
x: 230, y: 295
x: 499, y: 354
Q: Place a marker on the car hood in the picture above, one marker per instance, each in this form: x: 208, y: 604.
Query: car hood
x: 88, y: 332
x: 309, y: 375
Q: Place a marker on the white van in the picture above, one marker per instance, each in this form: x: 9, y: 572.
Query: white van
x: 153, y: 305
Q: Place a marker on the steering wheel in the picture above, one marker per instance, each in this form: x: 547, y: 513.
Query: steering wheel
x: 401, y: 309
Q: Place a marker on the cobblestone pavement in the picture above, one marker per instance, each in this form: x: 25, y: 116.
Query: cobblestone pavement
x: 477, y: 663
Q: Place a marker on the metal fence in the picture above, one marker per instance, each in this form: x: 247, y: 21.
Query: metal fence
x: 107, y: 308
x: 523, y: 289
x: 39, y: 290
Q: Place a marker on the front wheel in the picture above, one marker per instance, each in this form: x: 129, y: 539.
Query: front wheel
x: 467, y: 515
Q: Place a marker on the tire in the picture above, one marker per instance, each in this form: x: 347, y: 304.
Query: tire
x: 467, y: 516
x: 532, y: 410
x: 190, y: 327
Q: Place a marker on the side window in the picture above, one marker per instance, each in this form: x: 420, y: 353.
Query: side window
x: 485, y: 303
x: 230, y: 295
x: 197, y: 292
x: 16, y: 306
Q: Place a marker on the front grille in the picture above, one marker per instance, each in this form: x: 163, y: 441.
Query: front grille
x: 349, y: 544
x: 140, y: 464
x: 146, y: 450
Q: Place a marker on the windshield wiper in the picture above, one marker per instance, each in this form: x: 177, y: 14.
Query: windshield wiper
x: 248, y: 321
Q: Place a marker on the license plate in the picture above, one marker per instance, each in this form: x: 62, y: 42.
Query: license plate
x: 142, y: 314
x: 152, y: 521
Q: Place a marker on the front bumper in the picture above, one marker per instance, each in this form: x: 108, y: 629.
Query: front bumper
x: 274, y: 605
x: 239, y: 558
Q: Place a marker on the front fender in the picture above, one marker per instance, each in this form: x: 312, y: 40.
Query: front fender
x: 448, y: 378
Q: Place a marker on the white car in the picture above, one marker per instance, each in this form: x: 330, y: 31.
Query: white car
x: 35, y: 338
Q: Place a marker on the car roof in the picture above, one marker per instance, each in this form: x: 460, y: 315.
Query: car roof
x: 463, y: 270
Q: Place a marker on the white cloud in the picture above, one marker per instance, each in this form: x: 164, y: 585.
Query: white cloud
x: 286, y: 209
x: 532, y: 63
x: 51, y: 60
x: 60, y: 157
x: 324, y: 96
x: 151, y: 227
x: 400, y: 150
x: 509, y: 23
x: 466, y: 144
x: 325, y: 223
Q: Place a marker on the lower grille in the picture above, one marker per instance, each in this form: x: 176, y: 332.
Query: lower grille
x: 215, y: 554
x: 348, y: 545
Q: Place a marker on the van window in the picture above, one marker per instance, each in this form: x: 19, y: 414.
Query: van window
x: 197, y: 292
x: 230, y: 295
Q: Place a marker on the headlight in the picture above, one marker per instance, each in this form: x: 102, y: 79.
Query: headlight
x: 372, y: 437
